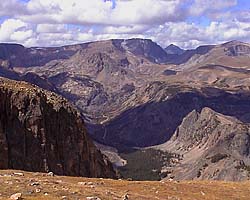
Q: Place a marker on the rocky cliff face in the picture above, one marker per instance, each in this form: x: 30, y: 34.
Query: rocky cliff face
x: 210, y: 146
x: 40, y: 131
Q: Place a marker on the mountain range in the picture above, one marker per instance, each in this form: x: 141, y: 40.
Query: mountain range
x: 134, y: 95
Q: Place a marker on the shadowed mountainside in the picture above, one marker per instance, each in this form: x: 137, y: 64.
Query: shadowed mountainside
x: 163, y: 117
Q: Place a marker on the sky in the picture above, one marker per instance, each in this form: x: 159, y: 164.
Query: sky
x: 186, y: 23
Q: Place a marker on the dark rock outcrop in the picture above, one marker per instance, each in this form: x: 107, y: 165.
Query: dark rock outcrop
x: 40, y: 131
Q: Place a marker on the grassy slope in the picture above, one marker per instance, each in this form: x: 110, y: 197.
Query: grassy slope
x: 57, y: 187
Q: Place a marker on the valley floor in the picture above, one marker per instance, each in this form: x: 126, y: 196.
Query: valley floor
x: 42, y: 186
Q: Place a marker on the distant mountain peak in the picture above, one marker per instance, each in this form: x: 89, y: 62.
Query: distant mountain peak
x: 173, y: 49
x: 146, y: 48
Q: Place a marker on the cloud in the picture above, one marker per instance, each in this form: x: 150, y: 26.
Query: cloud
x: 200, y: 7
x: 64, y: 11
x: 62, y: 22
x: 181, y: 33
x: 129, y: 29
x: 50, y: 28
x: 148, y: 12
x: 21, y: 36
x: 243, y: 16
x: 14, y: 30
x: 11, y: 8
x: 229, y: 31
x: 98, y: 12
x: 192, y: 35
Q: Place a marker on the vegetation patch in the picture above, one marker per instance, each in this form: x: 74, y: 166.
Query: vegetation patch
x: 201, y: 170
x: 144, y: 164
x: 244, y: 167
x: 217, y: 157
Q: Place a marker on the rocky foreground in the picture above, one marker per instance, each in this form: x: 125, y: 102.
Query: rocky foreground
x: 46, y: 186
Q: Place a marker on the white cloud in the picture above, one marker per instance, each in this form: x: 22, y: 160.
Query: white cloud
x: 132, y: 29
x: 243, y: 16
x: 147, y: 12
x: 239, y: 15
x: 186, y: 35
x: 21, y: 36
x: 61, y: 22
x: 200, y: 7
x: 229, y: 31
x: 14, y: 30
x: 192, y: 35
x: 65, y: 11
x: 50, y: 28
x: 11, y: 7
x: 104, y: 12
